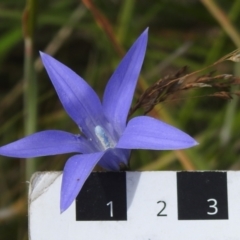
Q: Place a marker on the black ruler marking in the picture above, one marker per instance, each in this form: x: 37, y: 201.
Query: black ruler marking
x: 103, y: 198
x: 202, y: 195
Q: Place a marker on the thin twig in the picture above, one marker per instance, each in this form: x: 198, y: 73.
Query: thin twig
x: 62, y: 35
x: 223, y: 20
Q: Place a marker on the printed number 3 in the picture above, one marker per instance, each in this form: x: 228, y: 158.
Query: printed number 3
x: 214, y: 206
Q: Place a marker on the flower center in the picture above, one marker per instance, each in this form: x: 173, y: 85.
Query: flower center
x: 104, y: 139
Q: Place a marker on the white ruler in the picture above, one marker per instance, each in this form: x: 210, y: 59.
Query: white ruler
x: 138, y: 206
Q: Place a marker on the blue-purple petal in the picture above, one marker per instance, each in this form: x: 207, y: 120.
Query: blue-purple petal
x: 121, y: 86
x: 149, y: 133
x: 75, y: 172
x: 77, y: 97
x: 45, y: 143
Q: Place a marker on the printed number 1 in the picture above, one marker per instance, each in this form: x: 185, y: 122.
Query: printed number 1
x: 111, y: 208
x: 214, y: 206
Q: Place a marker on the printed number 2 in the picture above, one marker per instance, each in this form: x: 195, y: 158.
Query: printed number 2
x: 164, y: 206
x: 111, y: 208
x: 214, y: 206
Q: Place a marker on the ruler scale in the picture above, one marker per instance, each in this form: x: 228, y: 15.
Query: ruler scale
x: 138, y: 205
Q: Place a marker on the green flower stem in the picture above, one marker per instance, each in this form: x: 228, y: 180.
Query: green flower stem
x: 30, y: 86
x: 230, y: 114
x: 125, y: 17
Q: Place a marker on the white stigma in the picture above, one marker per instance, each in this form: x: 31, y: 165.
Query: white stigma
x: 102, y: 137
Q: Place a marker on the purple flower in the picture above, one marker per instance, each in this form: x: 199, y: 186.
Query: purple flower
x: 106, y: 138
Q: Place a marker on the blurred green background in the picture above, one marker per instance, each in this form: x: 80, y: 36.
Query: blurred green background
x: 90, y: 37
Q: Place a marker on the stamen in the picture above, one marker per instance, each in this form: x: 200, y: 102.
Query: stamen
x: 102, y: 137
